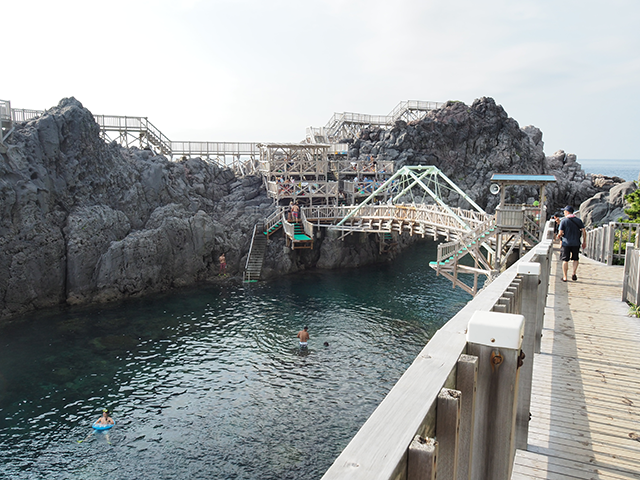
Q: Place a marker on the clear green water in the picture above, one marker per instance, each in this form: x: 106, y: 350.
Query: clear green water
x: 209, y: 383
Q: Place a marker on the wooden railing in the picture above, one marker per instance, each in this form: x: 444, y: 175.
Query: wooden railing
x: 295, y: 189
x: 274, y: 218
x: 363, y: 168
x: 5, y: 110
x: 432, y: 215
x: 451, y: 249
x: 607, y: 244
x: 631, y: 280
x: 462, y: 408
x: 24, y: 115
x: 306, y: 224
x: 361, y: 188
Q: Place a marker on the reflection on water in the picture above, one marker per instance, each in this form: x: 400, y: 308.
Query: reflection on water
x: 210, y: 383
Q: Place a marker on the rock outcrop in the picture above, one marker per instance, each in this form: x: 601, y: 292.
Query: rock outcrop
x: 605, y: 207
x: 470, y: 143
x: 84, y: 221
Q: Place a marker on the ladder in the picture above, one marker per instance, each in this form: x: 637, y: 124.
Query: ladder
x: 255, y: 257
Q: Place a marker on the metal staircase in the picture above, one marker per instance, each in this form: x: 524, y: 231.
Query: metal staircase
x: 255, y: 257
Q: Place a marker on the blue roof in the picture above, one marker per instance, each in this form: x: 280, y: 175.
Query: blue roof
x: 515, y: 177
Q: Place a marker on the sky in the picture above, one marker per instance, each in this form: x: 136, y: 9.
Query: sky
x: 265, y: 70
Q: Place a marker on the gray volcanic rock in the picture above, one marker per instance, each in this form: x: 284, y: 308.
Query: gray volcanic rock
x: 469, y: 144
x: 85, y: 221
x: 605, y: 207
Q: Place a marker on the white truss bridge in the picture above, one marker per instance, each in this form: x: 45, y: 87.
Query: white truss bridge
x: 412, y: 201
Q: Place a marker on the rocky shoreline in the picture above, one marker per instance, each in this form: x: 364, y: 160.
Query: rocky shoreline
x: 84, y: 221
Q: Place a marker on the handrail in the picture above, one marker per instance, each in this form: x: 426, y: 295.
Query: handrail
x: 631, y: 278
x: 5, y: 110
x: 24, y: 115
x: 253, y: 236
x: 288, y: 228
x: 606, y: 244
x: 306, y: 225
x: 274, y: 218
x: 337, y: 120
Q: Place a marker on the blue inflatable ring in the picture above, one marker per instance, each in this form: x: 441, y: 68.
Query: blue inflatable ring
x: 103, y: 427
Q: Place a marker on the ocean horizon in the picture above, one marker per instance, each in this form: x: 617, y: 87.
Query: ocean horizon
x: 627, y: 169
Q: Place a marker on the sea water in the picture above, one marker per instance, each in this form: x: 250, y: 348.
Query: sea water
x: 627, y: 169
x: 210, y: 383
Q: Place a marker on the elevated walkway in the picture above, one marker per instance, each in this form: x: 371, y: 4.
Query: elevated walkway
x: 348, y: 125
x: 585, y: 410
x: 241, y: 157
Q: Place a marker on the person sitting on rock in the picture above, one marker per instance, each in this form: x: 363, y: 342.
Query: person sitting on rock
x: 223, y: 265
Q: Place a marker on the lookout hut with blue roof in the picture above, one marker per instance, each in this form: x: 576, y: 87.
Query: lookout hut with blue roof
x: 520, y: 220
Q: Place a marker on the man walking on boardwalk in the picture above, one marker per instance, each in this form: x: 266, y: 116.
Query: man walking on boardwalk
x: 570, y: 230
x: 303, y: 335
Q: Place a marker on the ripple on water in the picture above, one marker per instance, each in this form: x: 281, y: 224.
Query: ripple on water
x: 210, y: 383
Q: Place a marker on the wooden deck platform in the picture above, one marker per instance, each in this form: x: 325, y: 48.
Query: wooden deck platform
x: 585, y: 407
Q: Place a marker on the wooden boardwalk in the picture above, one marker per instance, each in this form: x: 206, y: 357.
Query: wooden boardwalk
x: 585, y: 407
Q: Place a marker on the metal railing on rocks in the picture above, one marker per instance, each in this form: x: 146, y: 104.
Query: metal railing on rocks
x: 462, y: 407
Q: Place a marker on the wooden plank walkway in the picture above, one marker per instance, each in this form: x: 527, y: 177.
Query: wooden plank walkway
x: 585, y: 407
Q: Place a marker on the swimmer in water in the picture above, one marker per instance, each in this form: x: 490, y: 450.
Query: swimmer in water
x: 303, y: 335
x: 104, y: 420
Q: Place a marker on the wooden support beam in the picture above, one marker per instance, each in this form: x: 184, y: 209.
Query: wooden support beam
x: 543, y: 257
x: 495, y: 338
x: 466, y: 381
x: 422, y: 458
x: 530, y: 273
x: 447, y: 432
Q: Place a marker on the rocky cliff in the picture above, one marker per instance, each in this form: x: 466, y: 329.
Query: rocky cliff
x: 84, y: 221
x: 470, y: 143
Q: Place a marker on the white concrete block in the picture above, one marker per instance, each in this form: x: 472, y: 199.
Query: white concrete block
x: 529, y: 268
x: 493, y: 329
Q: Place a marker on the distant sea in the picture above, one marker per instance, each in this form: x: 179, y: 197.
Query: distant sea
x: 627, y: 169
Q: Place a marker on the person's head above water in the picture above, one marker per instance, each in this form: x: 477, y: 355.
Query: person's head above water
x: 305, y: 328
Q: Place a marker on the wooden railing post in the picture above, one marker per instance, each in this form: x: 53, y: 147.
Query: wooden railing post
x: 544, y: 254
x: 495, y: 338
x: 627, y: 269
x: 466, y: 382
x: 447, y: 432
x: 530, y: 272
x: 611, y: 238
x: 422, y: 459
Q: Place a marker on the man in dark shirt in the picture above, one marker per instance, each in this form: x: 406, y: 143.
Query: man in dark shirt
x: 570, y: 230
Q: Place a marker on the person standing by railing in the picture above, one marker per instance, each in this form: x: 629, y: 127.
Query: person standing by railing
x: 570, y: 230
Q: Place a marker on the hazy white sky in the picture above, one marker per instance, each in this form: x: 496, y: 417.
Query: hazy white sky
x: 264, y: 70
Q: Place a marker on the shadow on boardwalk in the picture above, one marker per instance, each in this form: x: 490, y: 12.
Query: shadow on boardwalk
x: 585, y: 407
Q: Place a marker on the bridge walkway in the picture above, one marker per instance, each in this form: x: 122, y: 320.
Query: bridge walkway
x: 585, y: 407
